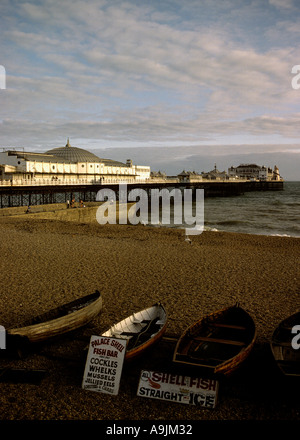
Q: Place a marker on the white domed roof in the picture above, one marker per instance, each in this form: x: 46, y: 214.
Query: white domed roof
x: 74, y: 154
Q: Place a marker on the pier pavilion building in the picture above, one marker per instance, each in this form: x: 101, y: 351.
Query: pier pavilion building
x: 253, y: 171
x: 65, y: 165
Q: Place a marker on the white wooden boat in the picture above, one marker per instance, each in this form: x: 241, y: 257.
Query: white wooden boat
x: 142, y: 330
x: 58, y: 321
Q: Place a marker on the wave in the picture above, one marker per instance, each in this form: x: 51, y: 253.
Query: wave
x: 291, y: 203
x: 282, y: 235
x: 231, y: 222
x: 208, y: 229
x: 253, y: 233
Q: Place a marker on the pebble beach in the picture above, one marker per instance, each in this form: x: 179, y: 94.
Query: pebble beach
x: 48, y: 260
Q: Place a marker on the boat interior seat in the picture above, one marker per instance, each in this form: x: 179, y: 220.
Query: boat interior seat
x: 128, y: 333
x: 229, y: 326
x: 219, y: 340
x: 117, y: 334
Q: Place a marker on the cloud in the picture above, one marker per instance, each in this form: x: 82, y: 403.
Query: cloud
x: 173, y: 160
x: 149, y: 72
x: 285, y: 4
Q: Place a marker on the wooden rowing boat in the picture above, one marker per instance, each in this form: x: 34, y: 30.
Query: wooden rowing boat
x: 220, y: 341
x: 286, y: 355
x: 141, y: 330
x: 60, y: 320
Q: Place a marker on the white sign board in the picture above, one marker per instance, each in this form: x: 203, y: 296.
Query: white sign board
x: 176, y: 388
x: 104, y: 364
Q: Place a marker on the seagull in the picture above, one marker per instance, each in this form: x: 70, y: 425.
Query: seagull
x: 188, y: 239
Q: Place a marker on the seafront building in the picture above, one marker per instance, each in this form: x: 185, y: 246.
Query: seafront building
x: 70, y: 165
x: 253, y: 172
x: 215, y: 174
x: 243, y: 172
x: 65, y: 165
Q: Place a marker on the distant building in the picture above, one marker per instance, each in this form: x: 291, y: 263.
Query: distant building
x: 253, y: 172
x: 215, y: 174
x: 189, y: 176
x: 276, y: 175
x: 158, y: 176
x: 67, y: 165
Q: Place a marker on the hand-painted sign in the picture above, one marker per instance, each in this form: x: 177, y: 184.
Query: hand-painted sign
x: 104, y: 364
x: 177, y: 388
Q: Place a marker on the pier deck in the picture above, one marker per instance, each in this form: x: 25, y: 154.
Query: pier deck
x: 24, y: 195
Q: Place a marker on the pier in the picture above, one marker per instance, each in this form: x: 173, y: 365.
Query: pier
x: 18, y: 194
x: 71, y: 173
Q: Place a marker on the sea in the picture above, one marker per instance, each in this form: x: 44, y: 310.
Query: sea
x: 275, y: 213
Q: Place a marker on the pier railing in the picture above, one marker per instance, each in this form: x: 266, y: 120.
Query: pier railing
x: 110, y: 181
x: 64, y: 182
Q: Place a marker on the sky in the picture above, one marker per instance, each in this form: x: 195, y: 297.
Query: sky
x: 174, y: 84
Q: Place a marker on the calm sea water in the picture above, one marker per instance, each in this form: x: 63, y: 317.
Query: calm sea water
x: 259, y: 212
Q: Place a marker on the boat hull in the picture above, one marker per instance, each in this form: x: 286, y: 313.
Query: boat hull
x: 219, y: 342
x: 61, y: 320
x: 142, y: 330
x: 286, y: 357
